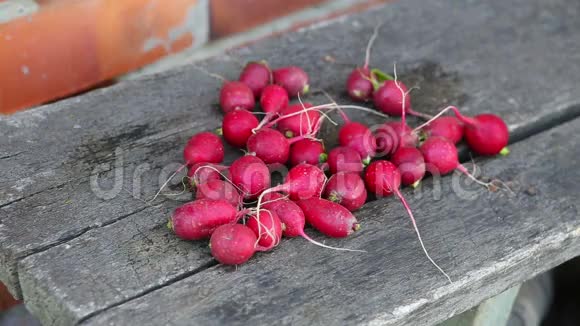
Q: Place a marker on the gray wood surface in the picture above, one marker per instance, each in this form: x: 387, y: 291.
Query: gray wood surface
x: 486, y: 241
x: 519, y: 59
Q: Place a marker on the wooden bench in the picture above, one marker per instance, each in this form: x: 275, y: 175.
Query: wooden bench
x: 79, y: 254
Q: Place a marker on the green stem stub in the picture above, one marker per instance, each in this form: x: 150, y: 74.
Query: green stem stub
x: 170, y: 225
x: 322, y: 158
x: 334, y: 197
x: 289, y: 134
x: 504, y: 151
x: 381, y: 75
x: 416, y: 184
x: 306, y: 89
x: 366, y: 161
x: 219, y: 132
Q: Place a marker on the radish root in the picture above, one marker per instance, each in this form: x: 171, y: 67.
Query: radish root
x: 408, y: 209
x: 167, y: 182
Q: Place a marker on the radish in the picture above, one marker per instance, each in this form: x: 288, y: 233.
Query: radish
x: 486, y: 134
x: 346, y: 189
x: 291, y: 124
x: 219, y: 189
x: 307, y: 151
x: 198, y: 219
x: 288, y: 212
x: 328, y: 217
x: 204, y: 147
x: 237, y: 127
x: 344, y: 159
x: 392, y: 96
x: 440, y: 155
x: 392, y: 135
x: 383, y: 179
x: 233, y: 244
x: 358, y: 85
x: 293, y: 218
x: 270, y: 146
x: 257, y: 75
x: 236, y: 95
x: 360, y: 138
x: 293, y: 79
x: 274, y: 98
x: 411, y: 165
x: 388, y: 98
x: 251, y: 175
x: 203, y: 172
x: 441, y: 158
x: 267, y: 227
x: 302, y: 182
x: 446, y: 127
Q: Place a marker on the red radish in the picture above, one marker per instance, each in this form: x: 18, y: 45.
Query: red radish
x: 204, y: 147
x: 383, y: 178
x: 257, y: 75
x: 233, y: 244
x: 198, y: 219
x: 267, y: 227
x: 440, y: 155
x: 486, y: 134
x: 360, y: 138
x: 219, y: 189
x: 307, y: 151
x: 274, y: 98
x: 237, y: 127
x: 441, y: 158
x: 302, y: 182
x: 288, y: 212
x: 410, y: 163
x: 203, y: 172
x: 344, y: 159
x: 251, y: 175
x: 347, y: 189
x: 291, y: 124
x: 446, y: 127
x: 293, y: 79
x: 293, y: 218
x: 392, y: 135
x: 329, y: 218
x: 236, y: 95
x: 359, y: 85
x: 270, y: 146
x: 389, y: 100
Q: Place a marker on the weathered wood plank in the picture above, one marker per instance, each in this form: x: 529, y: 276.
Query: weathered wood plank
x: 486, y: 241
x: 498, y: 49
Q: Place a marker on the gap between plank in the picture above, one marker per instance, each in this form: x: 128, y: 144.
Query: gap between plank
x: 152, y: 289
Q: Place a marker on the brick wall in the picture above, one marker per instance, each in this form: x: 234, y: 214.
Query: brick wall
x: 6, y: 300
x: 57, y: 48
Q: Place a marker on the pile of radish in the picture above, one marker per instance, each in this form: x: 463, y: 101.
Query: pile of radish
x: 241, y: 212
